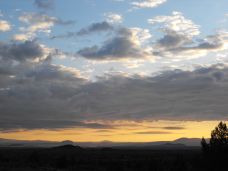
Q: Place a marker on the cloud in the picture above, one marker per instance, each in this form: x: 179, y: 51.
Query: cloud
x: 18, y: 58
x: 176, y: 23
x: 92, y: 28
x: 95, y: 27
x: 46, y: 91
x: 37, y: 23
x: 42, y: 21
x: 127, y: 43
x: 172, y: 40
x: 153, y: 132
x: 44, y: 4
x: 147, y: 3
x: 176, y: 46
x: 22, y: 37
x: 174, y: 95
x: 26, y: 73
x: 174, y: 128
x: 15, y: 125
x: 42, y: 86
x: 42, y: 95
x: 113, y: 17
x: 28, y: 50
x: 4, y: 26
x: 181, y: 41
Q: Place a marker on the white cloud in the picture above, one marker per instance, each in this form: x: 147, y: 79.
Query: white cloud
x: 139, y: 35
x: 148, y: 3
x: 114, y: 18
x: 37, y: 23
x: 179, y: 40
x: 176, y: 23
x: 22, y: 37
x: 4, y: 26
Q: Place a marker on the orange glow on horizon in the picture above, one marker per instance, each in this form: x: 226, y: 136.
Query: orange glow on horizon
x: 122, y: 131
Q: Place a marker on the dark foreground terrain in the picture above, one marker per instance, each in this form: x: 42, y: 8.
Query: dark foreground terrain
x: 102, y: 159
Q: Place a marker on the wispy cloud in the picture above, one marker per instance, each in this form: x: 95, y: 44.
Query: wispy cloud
x: 174, y: 128
x: 97, y: 27
x: 153, y: 132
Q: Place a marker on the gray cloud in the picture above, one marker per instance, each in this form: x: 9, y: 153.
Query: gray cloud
x: 153, y: 132
x: 96, y: 27
x: 44, y: 4
x: 11, y: 125
x: 174, y: 45
x: 65, y: 22
x: 118, y: 47
x: 171, y: 41
x: 40, y: 95
x: 173, y: 95
x: 28, y: 50
x: 121, y: 46
x: 33, y: 92
x: 174, y: 128
x: 93, y: 28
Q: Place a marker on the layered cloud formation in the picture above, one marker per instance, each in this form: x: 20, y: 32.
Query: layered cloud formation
x: 37, y: 94
x: 38, y: 90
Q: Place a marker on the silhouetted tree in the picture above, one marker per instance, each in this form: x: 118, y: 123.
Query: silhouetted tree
x: 204, y: 145
x: 218, y: 141
x: 216, y: 151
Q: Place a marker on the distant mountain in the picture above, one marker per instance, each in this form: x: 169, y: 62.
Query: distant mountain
x: 181, y: 143
x: 68, y: 147
x: 188, y: 141
x: 26, y: 143
x: 67, y: 142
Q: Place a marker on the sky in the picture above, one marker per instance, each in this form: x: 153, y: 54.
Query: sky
x: 116, y: 70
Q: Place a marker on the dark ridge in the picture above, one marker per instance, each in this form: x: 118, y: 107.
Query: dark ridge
x: 68, y: 147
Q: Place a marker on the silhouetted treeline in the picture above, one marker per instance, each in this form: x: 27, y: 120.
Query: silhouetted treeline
x: 215, y: 152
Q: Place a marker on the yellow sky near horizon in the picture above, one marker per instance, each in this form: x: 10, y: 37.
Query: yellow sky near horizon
x: 121, y: 131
